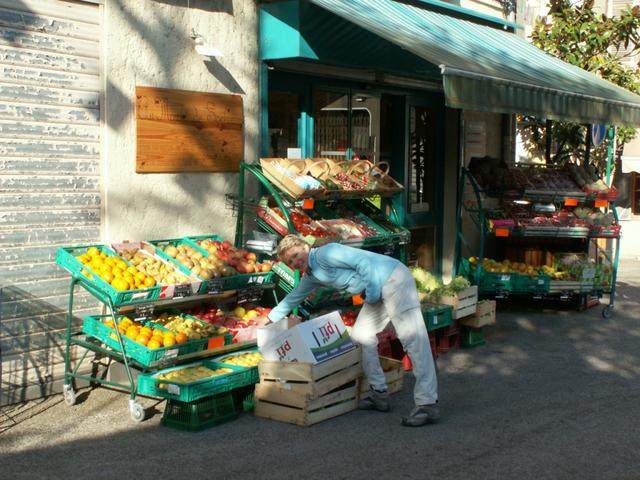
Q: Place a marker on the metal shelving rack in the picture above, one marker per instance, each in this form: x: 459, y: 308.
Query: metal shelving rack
x: 92, y: 344
x: 476, y: 212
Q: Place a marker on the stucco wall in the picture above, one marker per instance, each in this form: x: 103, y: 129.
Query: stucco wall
x: 147, y: 43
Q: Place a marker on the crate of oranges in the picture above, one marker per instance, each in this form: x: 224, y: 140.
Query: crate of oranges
x: 114, y: 277
x: 144, y: 342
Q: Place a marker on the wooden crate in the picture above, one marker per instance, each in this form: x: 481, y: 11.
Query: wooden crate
x: 463, y: 303
x: 393, y: 376
x: 485, y: 315
x: 305, y: 394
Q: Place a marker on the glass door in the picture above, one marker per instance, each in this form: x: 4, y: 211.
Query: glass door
x: 424, y: 168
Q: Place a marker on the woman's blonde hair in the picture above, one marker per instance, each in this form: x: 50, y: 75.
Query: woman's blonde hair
x: 288, y: 242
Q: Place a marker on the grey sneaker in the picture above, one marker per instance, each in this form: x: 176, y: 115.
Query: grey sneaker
x: 422, y: 415
x: 375, y: 401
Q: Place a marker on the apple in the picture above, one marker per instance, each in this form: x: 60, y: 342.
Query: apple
x: 266, y: 267
x: 251, y: 256
x: 226, y: 245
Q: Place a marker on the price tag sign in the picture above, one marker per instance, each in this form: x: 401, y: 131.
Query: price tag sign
x: 601, y: 203
x: 308, y: 204
x: 173, y: 389
x: 357, y: 299
x: 570, y: 202
x: 144, y: 312
x: 502, y: 232
x: 588, y: 273
x: 182, y: 290
x: 505, y: 278
x: 214, y: 286
x: 250, y: 294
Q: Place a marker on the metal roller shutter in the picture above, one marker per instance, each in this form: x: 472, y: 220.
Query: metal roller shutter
x: 49, y: 180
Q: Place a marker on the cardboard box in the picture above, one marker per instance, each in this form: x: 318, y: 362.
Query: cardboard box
x: 313, y: 341
x: 485, y: 315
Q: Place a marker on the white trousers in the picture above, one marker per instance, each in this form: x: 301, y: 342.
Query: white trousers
x: 397, y: 293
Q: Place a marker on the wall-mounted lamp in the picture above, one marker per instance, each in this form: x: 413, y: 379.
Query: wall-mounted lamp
x: 202, y: 47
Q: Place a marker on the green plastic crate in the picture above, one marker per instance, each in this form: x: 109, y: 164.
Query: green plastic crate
x: 200, y: 414
x: 94, y: 326
x: 255, y: 375
x: 436, y: 316
x: 320, y: 297
x: 471, y: 337
x: 149, y: 384
x: 533, y: 284
x: 66, y: 258
x: 225, y: 338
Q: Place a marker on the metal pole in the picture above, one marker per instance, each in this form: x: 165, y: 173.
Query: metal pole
x: 611, y: 133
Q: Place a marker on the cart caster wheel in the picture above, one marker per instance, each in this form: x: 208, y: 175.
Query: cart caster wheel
x: 136, y: 410
x: 607, y: 311
x: 69, y: 395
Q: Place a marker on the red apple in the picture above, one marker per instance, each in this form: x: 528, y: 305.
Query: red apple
x: 226, y: 245
x: 251, y: 256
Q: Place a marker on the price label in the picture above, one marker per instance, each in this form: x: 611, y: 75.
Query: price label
x: 173, y: 389
x: 601, y: 203
x: 588, y: 273
x: 182, y: 290
x: 144, y: 312
x: 170, y: 354
x: 502, y: 232
x: 505, y: 278
x: 435, y: 320
x: 308, y: 204
x: 570, y: 202
x: 214, y: 286
x: 251, y: 294
x: 389, y: 249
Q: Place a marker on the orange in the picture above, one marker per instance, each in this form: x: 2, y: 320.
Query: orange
x: 133, y: 332
x: 153, y: 344
x: 121, y: 264
x: 120, y: 284
x: 146, y: 331
x: 142, y: 339
x: 157, y: 332
x: 107, y: 277
x: 169, y: 341
x: 114, y: 336
x: 149, y: 282
x: 132, y: 270
x: 181, y: 338
x: 109, y: 323
x: 93, y: 251
x: 116, y: 271
x: 140, y: 276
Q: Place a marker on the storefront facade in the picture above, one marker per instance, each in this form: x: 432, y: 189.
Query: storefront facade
x: 418, y: 85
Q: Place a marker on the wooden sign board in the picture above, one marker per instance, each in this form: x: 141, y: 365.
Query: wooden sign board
x: 180, y: 131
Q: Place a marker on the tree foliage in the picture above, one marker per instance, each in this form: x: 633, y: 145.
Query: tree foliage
x: 599, y: 44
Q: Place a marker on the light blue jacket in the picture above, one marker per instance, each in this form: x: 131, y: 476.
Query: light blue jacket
x: 343, y: 268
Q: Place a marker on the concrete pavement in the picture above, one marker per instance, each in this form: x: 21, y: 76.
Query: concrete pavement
x: 555, y: 393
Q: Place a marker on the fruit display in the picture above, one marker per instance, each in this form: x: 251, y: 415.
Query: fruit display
x: 144, y: 335
x: 237, y: 318
x: 191, y: 374
x: 247, y: 359
x: 594, y: 217
x: 205, y: 267
x: 586, y: 176
x: 239, y: 259
x: 349, y: 317
x: 505, y: 266
x: 161, y: 271
x: 186, y: 328
x: 303, y: 223
x: 113, y: 270
x: 431, y: 286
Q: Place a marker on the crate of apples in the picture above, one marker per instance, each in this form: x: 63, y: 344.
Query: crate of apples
x: 241, y: 260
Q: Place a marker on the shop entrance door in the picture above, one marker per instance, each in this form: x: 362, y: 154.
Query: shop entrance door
x: 424, y: 166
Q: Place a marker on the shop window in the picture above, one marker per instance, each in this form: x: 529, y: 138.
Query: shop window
x: 284, y: 112
x: 347, y: 125
x: 422, y: 158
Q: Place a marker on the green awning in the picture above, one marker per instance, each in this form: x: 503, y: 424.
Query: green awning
x: 487, y: 69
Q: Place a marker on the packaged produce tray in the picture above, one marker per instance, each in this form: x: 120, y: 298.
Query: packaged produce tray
x: 223, y: 360
x: 66, y: 258
x: 150, y: 384
x: 94, y: 326
x: 176, y: 290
